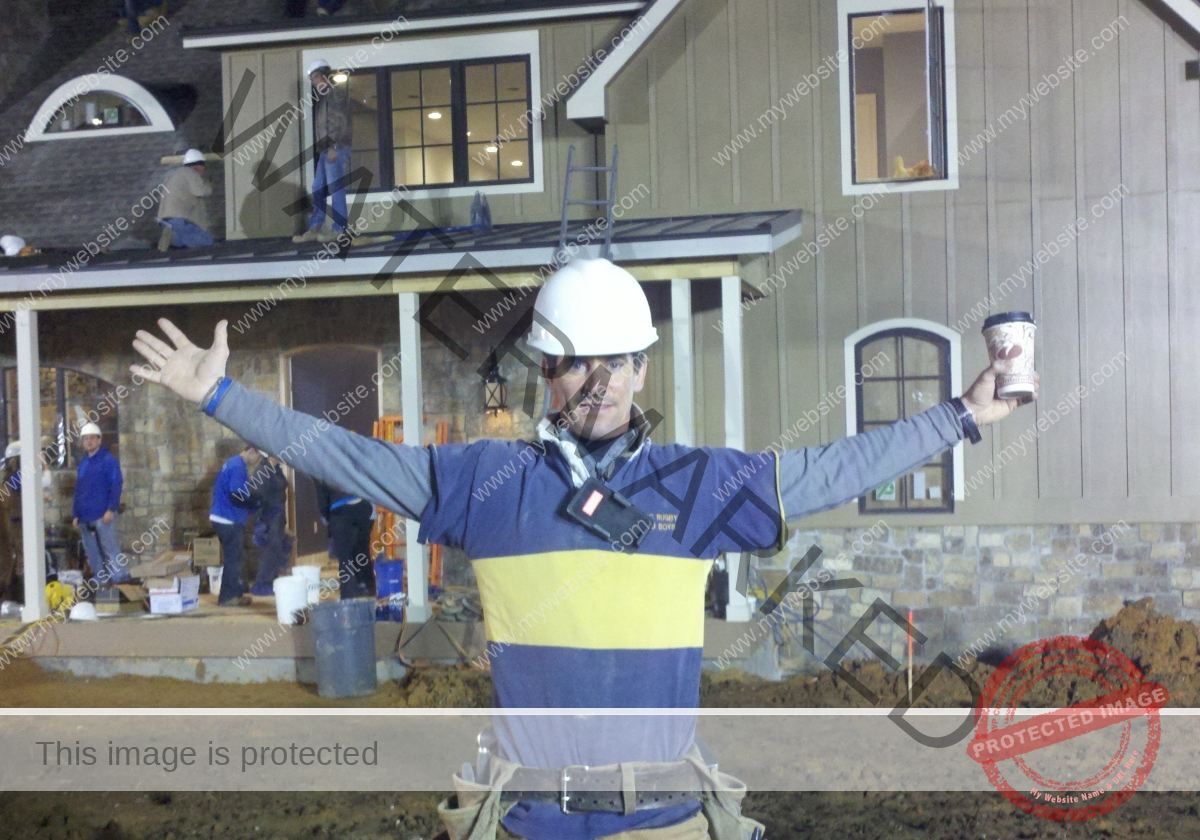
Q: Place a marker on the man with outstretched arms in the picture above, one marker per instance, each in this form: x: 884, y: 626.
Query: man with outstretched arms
x: 591, y: 547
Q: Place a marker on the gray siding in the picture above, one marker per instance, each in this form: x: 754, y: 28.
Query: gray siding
x: 1126, y: 120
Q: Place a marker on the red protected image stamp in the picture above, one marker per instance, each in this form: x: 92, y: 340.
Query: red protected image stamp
x: 1123, y: 717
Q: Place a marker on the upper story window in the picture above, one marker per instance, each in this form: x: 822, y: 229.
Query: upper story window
x: 898, y: 96
x: 98, y: 105
x: 460, y: 123
x: 69, y: 399
x: 898, y: 369
x: 446, y: 116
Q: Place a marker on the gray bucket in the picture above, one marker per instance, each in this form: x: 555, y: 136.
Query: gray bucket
x: 344, y: 633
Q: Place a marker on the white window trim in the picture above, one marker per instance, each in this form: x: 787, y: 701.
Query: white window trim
x: 429, y: 50
x: 69, y: 91
x: 955, y: 378
x: 846, y: 8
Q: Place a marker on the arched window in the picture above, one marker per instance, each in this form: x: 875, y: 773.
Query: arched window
x: 95, y: 105
x: 69, y: 398
x: 897, y: 369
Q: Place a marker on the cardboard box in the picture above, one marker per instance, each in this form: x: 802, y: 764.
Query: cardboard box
x: 120, y: 599
x: 187, y: 585
x: 206, y: 551
x: 166, y: 563
x: 173, y: 604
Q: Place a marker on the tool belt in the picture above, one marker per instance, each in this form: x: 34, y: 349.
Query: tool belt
x: 476, y: 812
x: 621, y: 790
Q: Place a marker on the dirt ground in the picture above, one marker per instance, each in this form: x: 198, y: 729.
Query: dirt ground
x: 1167, y: 651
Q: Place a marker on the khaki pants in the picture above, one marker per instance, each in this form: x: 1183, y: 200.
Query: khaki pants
x: 478, y: 810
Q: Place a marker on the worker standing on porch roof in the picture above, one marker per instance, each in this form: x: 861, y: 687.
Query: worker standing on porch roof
x: 616, y: 642
x: 94, y: 512
x: 331, y: 135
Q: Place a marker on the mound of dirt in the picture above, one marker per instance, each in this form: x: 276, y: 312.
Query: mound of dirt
x: 447, y: 688
x: 1166, y: 649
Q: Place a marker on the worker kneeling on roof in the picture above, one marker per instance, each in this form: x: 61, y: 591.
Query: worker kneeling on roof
x: 634, y: 562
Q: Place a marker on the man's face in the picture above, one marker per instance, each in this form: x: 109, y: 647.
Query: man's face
x: 320, y: 81
x: 594, y: 395
x: 253, y: 458
x: 199, y: 167
x: 91, y: 443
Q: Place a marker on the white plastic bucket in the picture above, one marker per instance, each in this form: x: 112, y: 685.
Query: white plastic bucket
x: 214, y: 579
x: 312, y: 574
x: 291, y: 597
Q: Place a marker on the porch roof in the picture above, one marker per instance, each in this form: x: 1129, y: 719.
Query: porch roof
x: 653, y: 249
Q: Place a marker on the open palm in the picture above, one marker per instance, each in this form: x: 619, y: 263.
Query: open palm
x: 186, y: 369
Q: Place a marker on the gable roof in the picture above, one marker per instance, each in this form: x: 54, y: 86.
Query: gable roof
x: 586, y: 105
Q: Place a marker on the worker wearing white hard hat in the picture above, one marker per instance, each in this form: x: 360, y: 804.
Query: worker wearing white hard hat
x: 12, y: 245
x: 182, y: 214
x: 98, y: 484
x: 332, y: 139
x: 618, y: 532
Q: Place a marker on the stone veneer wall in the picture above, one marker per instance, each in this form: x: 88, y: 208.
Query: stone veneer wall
x: 962, y: 582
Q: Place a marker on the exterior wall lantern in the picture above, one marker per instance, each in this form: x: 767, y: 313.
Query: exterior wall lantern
x: 495, y: 388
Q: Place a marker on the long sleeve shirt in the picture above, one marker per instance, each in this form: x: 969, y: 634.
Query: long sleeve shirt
x: 98, y: 484
x: 232, y: 496
x: 574, y: 619
x: 186, y: 190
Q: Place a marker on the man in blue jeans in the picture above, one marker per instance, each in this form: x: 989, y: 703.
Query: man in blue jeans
x: 182, y: 215
x: 97, y: 498
x: 331, y: 132
x: 231, y: 500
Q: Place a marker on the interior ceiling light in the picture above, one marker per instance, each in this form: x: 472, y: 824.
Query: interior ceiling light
x: 516, y: 163
x: 490, y: 149
x: 340, y: 77
x: 435, y: 115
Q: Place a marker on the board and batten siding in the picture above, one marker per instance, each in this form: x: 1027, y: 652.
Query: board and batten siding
x: 277, y: 78
x: 1125, y: 123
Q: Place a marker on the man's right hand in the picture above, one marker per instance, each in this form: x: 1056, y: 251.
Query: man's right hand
x: 186, y: 369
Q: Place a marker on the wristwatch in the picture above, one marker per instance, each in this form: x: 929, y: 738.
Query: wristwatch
x: 967, y: 419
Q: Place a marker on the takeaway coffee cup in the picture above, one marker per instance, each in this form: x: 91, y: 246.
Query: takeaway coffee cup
x: 1009, y: 337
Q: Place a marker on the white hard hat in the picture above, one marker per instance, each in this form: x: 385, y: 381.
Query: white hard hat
x: 90, y: 429
x: 596, y: 307
x: 12, y: 245
x: 83, y: 611
x: 317, y: 64
x: 13, y: 450
x: 193, y: 156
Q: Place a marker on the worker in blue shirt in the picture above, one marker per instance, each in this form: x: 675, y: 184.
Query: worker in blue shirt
x: 232, y: 499
x: 612, y: 522
x: 98, y: 485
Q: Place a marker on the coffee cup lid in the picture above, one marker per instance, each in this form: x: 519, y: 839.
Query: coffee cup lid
x: 1007, y: 318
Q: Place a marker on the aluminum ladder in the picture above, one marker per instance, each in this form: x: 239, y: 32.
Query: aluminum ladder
x: 606, y: 252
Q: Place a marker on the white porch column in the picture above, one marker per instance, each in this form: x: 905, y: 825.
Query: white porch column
x: 683, y: 369
x: 738, y: 608
x: 416, y: 565
x: 30, y: 425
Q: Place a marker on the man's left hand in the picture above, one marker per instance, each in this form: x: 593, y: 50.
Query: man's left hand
x: 981, y: 398
x: 107, y: 518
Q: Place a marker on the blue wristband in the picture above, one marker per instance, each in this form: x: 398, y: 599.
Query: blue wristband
x: 222, y: 387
